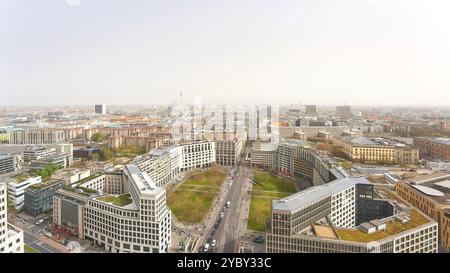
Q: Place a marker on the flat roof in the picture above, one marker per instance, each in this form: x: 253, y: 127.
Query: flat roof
x: 440, y: 140
x: 428, y: 190
x: 393, y: 227
x: 324, y: 231
x: 433, y: 186
x: 444, y: 184
x: 305, y: 197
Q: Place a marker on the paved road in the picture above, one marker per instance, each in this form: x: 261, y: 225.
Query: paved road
x: 229, y: 230
x: 34, y: 241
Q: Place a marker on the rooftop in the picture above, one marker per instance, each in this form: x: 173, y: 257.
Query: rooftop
x: 393, y: 227
x: 42, y: 185
x: 435, y: 186
x: 440, y: 140
x: 303, y: 198
x: 19, y: 178
x: 376, y: 142
x: 117, y: 200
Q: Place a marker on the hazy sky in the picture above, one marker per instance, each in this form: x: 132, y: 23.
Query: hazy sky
x: 225, y: 51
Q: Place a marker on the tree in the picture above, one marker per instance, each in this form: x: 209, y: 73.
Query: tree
x: 107, y: 153
x: 47, y: 171
x: 97, y: 137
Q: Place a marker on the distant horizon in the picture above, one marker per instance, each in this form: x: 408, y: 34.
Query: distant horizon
x: 190, y: 104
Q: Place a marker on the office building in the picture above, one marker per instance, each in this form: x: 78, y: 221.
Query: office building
x: 310, y: 109
x: 100, y: 109
x: 344, y: 112
x: 127, y: 214
x: 10, y: 163
x: 198, y: 155
x: 228, y: 151
x: 70, y: 176
x: 4, y: 134
x: 17, y: 186
x: 37, y: 152
x: 39, y: 197
x: 347, y: 216
x: 262, y: 155
x: 295, y: 158
x: 431, y: 195
x: 161, y: 165
x: 437, y: 148
x: 377, y: 150
x: 36, y: 136
x: 11, y: 238
x: 61, y: 160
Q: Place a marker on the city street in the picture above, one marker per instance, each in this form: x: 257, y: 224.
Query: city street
x: 233, y: 224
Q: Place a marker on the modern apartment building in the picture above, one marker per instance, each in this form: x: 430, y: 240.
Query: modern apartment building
x: 346, y: 216
x: 17, y: 187
x: 431, y: 195
x: 438, y: 148
x: 377, y: 150
x: 126, y: 213
x: 36, y: 136
x: 10, y: 163
x: 198, y: 155
x: 11, y: 238
x: 228, y: 151
x: 39, y: 197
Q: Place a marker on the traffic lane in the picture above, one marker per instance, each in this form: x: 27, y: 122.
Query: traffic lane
x: 39, y: 248
x: 234, y: 212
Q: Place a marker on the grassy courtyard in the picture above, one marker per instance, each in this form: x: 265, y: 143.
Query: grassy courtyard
x: 191, y: 201
x: 266, y: 187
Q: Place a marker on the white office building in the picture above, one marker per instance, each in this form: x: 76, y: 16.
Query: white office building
x: 37, y: 152
x: 198, y: 155
x: 11, y: 238
x: 17, y: 187
x: 125, y: 213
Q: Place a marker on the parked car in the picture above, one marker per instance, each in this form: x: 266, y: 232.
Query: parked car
x: 214, y: 243
x: 206, y: 248
x: 259, y: 240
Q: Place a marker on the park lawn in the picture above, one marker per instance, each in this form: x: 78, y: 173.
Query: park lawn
x: 191, y: 201
x: 212, y: 177
x: 29, y: 249
x: 266, y: 188
x: 266, y: 181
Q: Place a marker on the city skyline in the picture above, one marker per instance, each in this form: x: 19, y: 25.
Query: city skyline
x: 325, y: 53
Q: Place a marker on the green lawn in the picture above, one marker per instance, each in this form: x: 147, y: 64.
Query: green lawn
x: 29, y: 249
x: 266, y: 188
x: 191, y: 201
x: 265, y: 181
x: 120, y: 200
